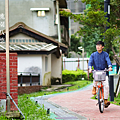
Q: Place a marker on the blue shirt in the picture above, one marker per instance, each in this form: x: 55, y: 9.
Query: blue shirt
x: 99, y: 61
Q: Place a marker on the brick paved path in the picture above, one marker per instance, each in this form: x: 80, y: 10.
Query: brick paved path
x: 80, y: 103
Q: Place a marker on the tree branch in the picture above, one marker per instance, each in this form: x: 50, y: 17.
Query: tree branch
x: 115, y: 57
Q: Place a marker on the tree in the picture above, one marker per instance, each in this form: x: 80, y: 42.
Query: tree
x: 95, y: 24
x: 73, y: 49
x: 75, y: 43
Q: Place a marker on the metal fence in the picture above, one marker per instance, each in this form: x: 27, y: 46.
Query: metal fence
x: 74, y: 63
x: 28, y: 79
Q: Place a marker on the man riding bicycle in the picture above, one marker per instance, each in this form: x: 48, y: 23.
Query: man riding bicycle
x: 100, y: 60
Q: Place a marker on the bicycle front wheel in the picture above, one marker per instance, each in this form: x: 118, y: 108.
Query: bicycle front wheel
x: 100, y: 100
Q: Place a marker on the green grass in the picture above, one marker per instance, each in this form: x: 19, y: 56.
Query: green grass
x: 77, y: 84
x: 116, y: 100
x: 31, y: 110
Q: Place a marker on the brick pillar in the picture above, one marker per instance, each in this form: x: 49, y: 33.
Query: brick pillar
x: 13, y: 78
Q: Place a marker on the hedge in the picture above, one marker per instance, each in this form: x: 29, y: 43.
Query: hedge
x: 70, y: 75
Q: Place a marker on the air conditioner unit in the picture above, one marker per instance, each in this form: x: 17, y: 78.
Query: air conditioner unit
x: 2, y: 105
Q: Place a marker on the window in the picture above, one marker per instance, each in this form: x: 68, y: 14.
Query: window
x: 76, y: 7
x: 46, y: 63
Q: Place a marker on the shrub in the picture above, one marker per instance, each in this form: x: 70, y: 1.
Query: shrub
x: 70, y: 75
x: 91, y: 76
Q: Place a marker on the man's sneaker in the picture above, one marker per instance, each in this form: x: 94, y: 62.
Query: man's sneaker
x: 107, y: 103
x: 94, y: 90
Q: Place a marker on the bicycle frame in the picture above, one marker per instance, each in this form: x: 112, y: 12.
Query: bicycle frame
x: 100, y: 85
x: 99, y: 77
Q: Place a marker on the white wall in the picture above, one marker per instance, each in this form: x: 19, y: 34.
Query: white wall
x: 21, y: 36
x: 30, y: 63
x: 46, y: 75
x: 56, y: 67
x: 20, y: 12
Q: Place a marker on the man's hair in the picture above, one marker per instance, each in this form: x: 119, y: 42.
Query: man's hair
x: 100, y: 43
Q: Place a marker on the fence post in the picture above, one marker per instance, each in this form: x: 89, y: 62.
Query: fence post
x: 88, y: 69
x: 30, y: 79
x: 39, y: 79
x: 111, y: 87
x: 78, y: 64
x: 64, y: 64
x: 117, y: 68
x: 21, y: 79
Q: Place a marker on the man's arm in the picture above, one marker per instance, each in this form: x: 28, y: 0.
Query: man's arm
x: 90, y: 63
x: 108, y: 62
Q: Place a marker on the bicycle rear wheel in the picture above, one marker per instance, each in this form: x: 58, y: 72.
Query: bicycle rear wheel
x: 100, y: 100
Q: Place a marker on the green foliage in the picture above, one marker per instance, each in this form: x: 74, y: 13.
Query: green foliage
x: 111, y: 37
x: 91, y: 76
x: 30, y: 110
x: 3, y: 118
x: 95, y: 23
x: 70, y: 75
x: 75, y: 43
x: 90, y: 40
x: 78, y: 84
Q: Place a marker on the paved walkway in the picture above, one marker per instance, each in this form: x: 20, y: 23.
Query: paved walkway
x: 81, y: 104
x: 57, y: 112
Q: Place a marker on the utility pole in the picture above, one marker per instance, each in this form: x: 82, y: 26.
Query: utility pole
x: 58, y: 18
x: 111, y: 81
x: 7, y: 52
x: 59, y: 31
x: 107, y: 9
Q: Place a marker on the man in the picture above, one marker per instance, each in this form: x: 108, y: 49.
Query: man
x: 100, y: 60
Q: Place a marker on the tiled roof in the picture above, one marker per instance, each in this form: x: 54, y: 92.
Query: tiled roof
x: 28, y: 47
x: 23, y: 25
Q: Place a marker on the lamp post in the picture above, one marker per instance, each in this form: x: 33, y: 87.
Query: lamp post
x: 80, y: 48
x: 7, y: 52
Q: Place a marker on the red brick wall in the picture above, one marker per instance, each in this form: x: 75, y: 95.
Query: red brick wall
x: 13, y: 78
x: 28, y: 89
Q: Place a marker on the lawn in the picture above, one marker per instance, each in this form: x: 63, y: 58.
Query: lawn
x: 116, y: 100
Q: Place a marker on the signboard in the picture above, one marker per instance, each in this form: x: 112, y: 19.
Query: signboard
x: 2, y: 105
x: 2, y: 25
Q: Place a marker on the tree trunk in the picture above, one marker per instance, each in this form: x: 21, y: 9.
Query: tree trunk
x: 115, y: 57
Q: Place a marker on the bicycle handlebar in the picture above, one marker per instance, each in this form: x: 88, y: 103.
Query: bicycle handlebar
x: 105, y: 70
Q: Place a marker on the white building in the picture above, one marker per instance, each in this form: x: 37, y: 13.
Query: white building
x: 37, y: 53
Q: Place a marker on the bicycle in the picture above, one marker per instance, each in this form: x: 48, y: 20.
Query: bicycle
x: 100, y: 76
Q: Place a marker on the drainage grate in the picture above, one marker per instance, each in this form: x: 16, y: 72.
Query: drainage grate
x: 66, y: 117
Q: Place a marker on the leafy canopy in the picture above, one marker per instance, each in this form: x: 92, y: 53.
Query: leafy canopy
x: 94, y: 24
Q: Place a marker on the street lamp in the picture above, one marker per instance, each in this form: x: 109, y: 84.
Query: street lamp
x: 81, y: 48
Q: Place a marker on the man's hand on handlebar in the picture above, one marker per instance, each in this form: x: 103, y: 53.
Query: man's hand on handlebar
x: 110, y: 69
x: 90, y: 70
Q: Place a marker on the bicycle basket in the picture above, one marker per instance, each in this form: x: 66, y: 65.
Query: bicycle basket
x: 99, y: 75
